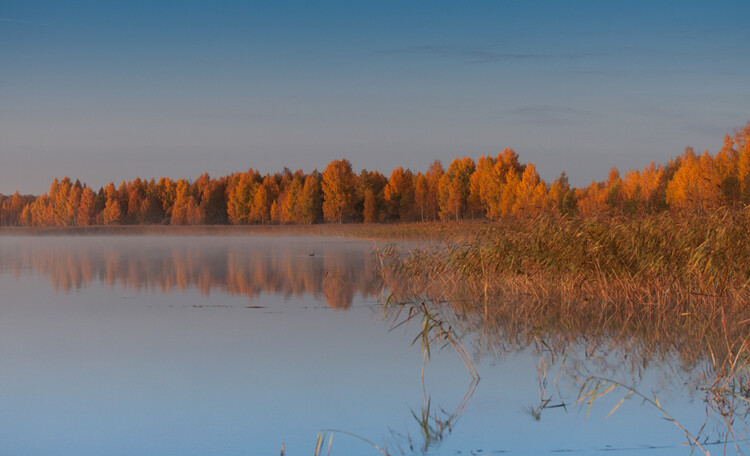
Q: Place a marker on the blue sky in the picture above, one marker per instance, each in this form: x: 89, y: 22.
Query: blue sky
x: 107, y: 91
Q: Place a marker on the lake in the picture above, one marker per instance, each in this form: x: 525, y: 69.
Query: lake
x: 229, y: 345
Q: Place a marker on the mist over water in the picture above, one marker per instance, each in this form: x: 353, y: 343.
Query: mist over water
x: 234, y: 344
x: 249, y: 266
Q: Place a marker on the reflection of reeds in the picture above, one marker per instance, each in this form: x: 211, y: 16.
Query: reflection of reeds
x: 434, y: 426
x: 329, y: 433
x: 545, y: 360
x: 595, y: 388
x: 434, y: 330
x: 657, y: 288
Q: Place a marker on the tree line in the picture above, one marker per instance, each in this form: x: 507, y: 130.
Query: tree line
x: 490, y: 187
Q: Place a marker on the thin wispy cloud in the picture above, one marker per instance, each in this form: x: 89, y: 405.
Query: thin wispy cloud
x: 478, y: 54
x: 586, y: 55
x: 594, y: 72
x: 709, y: 130
x: 470, y: 54
x: 549, y: 115
x: 20, y: 21
x: 654, y: 109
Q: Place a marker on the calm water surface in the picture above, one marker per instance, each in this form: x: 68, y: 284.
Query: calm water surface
x: 228, y: 345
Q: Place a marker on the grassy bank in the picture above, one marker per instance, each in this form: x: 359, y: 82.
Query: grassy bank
x: 702, y: 254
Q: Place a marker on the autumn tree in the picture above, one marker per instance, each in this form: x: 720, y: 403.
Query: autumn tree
x: 741, y: 144
x: 59, y: 198
x: 213, y: 206
x: 112, y: 215
x: 427, y: 192
x: 487, y: 183
x: 185, y: 209
x: 136, y: 194
x: 12, y: 208
x: 166, y: 191
x: 652, y: 187
x: 240, y: 194
x: 370, y: 211
x: 338, y: 186
x: 561, y: 196
x: 263, y: 199
x: 589, y: 199
x: 484, y: 188
x: 74, y: 202
x: 86, y: 209
x: 454, y: 188
x: 25, y: 218
x: 743, y: 172
x: 421, y: 195
x: 152, y: 207
x: 310, y: 201
x: 509, y: 193
x: 198, y: 186
x: 614, y: 197
x: 725, y: 175
x: 285, y: 207
x: 399, y: 195
x: 432, y: 199
x: 122, y: 195
x: 693, y: 185
x: 632, y: 192
x: 376, y: 183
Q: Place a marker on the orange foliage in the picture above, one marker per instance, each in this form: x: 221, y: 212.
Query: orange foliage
x: 338, y: 191
x: 454, y: 188
x: 491, y: 187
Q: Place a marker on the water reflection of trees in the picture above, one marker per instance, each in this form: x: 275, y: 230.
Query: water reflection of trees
x: 333, y: 274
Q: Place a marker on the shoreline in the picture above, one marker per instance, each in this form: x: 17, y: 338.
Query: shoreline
x: 424, y: 231
x: 402, y: 231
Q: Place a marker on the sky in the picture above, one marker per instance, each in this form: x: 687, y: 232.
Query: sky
x: 108, y: 91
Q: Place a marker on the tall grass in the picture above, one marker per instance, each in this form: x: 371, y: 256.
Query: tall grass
x: 683, y: 276
x: 696, y: 255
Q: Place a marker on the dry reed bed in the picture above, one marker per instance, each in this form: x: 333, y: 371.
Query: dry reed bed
x: 674, y: 282
x: 648, y: 289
